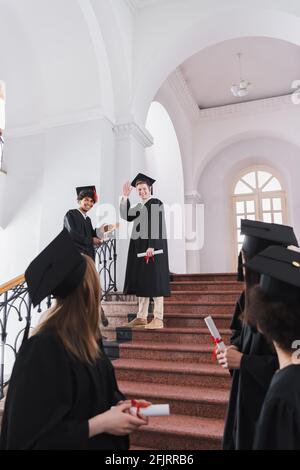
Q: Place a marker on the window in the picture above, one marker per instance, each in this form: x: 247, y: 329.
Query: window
x: 257, y: 195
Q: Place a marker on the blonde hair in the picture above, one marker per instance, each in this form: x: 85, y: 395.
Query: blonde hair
x: 76, y: 317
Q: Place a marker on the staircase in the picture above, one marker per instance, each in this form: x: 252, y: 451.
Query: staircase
x: 174, y: 365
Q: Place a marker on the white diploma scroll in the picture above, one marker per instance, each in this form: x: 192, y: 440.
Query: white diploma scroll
x: 214, y: 332
x: 155, y: 252
x: 152, y: 410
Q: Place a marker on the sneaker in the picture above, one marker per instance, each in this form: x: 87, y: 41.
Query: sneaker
x: 155, y: 324
x: 137, y: 322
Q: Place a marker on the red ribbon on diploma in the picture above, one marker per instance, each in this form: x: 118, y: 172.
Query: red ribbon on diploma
x: 138, y: 405
x: 149, y: 257
x: 216, y: 341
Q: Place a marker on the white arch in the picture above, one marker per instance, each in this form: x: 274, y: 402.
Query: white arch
x: 215, y: 186
x: 163, y: 162
x: 234, y: 138
x: 104, y: 73
x: 229, y: 24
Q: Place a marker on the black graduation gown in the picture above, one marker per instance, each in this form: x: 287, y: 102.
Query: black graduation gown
x: 249, y: 387
x: 278, y: 427
x: 81, y: 231
x: 51, y: 396
x: 143, y: 279
x: 236, y: 322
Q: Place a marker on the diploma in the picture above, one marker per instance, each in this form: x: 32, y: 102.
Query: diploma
x: 214, y: 333
x: 106, y: 229
x: 155, y: 252
x: 152, y: 410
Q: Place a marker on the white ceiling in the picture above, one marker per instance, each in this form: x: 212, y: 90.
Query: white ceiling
x: 269, y: 64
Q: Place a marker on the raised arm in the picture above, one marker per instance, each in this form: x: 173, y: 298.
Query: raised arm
x: 125, y: 210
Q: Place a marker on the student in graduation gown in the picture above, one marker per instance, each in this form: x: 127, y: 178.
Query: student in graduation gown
x: 275, y: 306
x: 63, y: 393
x: 79, y: 225
x: 148, y: 277
x: 251, y: 358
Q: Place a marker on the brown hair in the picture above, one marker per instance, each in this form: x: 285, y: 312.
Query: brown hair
x: 251, y: 278
x: 142, y: 182
x: 278, y: 321
x: 76, y: 317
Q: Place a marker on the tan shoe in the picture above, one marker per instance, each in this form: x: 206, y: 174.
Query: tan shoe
x: 155, y: 324
x: 136, y: 323
x: 104, y: 319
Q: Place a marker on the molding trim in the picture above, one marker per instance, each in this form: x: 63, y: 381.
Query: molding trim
x: 132, y: 4
x: 193, y: 197
x: 132, y: 129
x: 135, y: 5
x: 68, y: 119
x: 184, y: 94
x: 249, y: 107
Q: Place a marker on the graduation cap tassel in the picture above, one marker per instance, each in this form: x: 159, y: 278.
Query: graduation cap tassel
x: 240, y: 274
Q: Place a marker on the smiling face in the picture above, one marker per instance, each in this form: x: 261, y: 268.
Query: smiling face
x: 86, y: 203
x: 143, y: 191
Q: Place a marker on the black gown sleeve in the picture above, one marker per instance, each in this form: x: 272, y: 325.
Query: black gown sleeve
x: 156, y: 225
x: 126, y: 212
x: 259, y: 368
x: 236, y: 322
x: 71, y: 224
x: 39, y: 399
x: 278, y: 427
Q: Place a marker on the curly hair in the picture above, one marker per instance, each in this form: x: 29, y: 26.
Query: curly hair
x: 278, y: 321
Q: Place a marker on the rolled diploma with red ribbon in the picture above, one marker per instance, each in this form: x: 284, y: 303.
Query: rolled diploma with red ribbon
x: 214, y: 333
x: 150, y: 410
x: 155, y: 252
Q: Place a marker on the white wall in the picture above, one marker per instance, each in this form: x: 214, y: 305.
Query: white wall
x: 163, y: 163
x: 20, y: 207
x: 66, y: 45
x: 216, y: 184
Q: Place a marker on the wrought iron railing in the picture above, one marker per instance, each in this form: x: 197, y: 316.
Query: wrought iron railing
x: 106, y: 265
x: 16, y: 307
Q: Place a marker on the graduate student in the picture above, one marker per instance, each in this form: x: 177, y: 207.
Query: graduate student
x: 252, y: 360
x: 148, y: 276
x: 63, y: 393
x: 275, y: 306
x: 78, y: 223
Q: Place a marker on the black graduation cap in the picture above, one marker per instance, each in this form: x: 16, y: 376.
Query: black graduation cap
x: 87, y: 191
x: 280, y: 273
x: 57, y: 270
x: 141, y: 178
x: 260, y: 235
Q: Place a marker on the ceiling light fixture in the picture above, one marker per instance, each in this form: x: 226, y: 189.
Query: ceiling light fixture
x: 242, y: 88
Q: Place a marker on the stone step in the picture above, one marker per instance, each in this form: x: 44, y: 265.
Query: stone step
x: 175, y: 319
x: 172, y: 335
x: 180, y: 432
x: 187, y: 320
x: 170, y: 373
x: 141, y: 449
x: 204, y: 308
x: 167, y: 352
x: 205, y: 296
x: 207, y: 285
x: 204, y: 277
x: 193, y: 401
